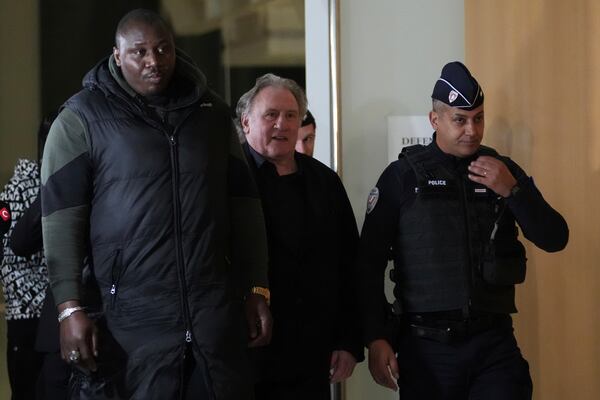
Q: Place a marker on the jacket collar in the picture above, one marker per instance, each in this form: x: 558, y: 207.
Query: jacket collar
x: 189, y: 80
x: 259, y: 160
x: 449, y: 159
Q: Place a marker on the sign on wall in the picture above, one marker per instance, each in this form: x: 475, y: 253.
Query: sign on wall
x: 406, y: 130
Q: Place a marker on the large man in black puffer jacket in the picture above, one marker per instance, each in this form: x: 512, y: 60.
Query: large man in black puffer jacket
x: 142, y: 170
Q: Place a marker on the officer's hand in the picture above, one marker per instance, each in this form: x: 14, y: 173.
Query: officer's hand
x: 260, y: 322
x: 383, y: 364
x: 78, y: 339
x: 492, y: 173
x: 341, y: 365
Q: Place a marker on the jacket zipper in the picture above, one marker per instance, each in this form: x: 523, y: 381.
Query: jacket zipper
x: 172, y: 138
x: 116, y: 273
x: 178, y: 250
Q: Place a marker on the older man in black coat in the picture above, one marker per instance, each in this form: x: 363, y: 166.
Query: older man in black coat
x: 312, y: 238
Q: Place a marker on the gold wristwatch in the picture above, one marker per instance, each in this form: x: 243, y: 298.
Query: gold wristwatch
x: 263, y: 291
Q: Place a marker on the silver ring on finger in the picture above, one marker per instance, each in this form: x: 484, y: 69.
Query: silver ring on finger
x: 74, y: 356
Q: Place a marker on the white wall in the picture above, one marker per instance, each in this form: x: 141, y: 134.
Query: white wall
x: 392, y: 52
x: 316, y: 28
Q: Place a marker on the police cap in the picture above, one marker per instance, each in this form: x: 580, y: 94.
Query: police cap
x: 457, y: 87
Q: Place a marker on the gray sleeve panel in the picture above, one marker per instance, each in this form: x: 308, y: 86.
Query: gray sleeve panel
x: 64, y: 246
x: 66, y: 141
x: 249, y: 241
x: 65, y: 228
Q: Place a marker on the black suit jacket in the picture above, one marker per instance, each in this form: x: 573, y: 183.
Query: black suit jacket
x: 313, y: 293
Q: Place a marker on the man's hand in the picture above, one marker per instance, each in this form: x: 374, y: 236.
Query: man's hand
x: 260, y: 322
x: 383, y: 364
x: 492, y: 173
x: 341, y: 365
x: 78, y: 336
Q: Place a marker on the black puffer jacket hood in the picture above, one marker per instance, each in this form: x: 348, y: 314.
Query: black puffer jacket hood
x: 187, y: 75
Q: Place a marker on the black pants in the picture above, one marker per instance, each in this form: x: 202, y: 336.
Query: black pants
x: 488, y: 365
x: 96, y: 386
x: 301, y: 389
x: 54, y: 378
x: 23, y: 362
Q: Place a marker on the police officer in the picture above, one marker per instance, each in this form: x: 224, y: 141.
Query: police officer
x: 449, y: 212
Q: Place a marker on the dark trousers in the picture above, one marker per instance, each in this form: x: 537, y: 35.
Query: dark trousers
x: 488, y: 365
x: 54, y: 378
x: 301, y: 389
x: 23, y: 362
x: 192, y: 386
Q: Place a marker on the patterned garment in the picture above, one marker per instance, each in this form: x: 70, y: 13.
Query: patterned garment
x: 24, y: 279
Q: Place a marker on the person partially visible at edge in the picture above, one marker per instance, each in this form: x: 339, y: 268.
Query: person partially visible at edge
x: 26, y: 241
x: 449, y: 213
x: 306, y: 135
x: 24, y: 280
x: 143, y: 171
x: 312, y: 238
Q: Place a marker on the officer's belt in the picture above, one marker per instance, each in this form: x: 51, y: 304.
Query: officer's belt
x: 449, y: 327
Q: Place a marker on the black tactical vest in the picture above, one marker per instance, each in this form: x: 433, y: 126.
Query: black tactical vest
x: 444, y: 256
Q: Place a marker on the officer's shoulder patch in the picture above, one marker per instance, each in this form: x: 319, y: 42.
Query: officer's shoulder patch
x: 372, y: 200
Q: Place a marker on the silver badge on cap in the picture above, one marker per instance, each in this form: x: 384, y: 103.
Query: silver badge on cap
x: 452, y: 96
x: 372, y: 200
